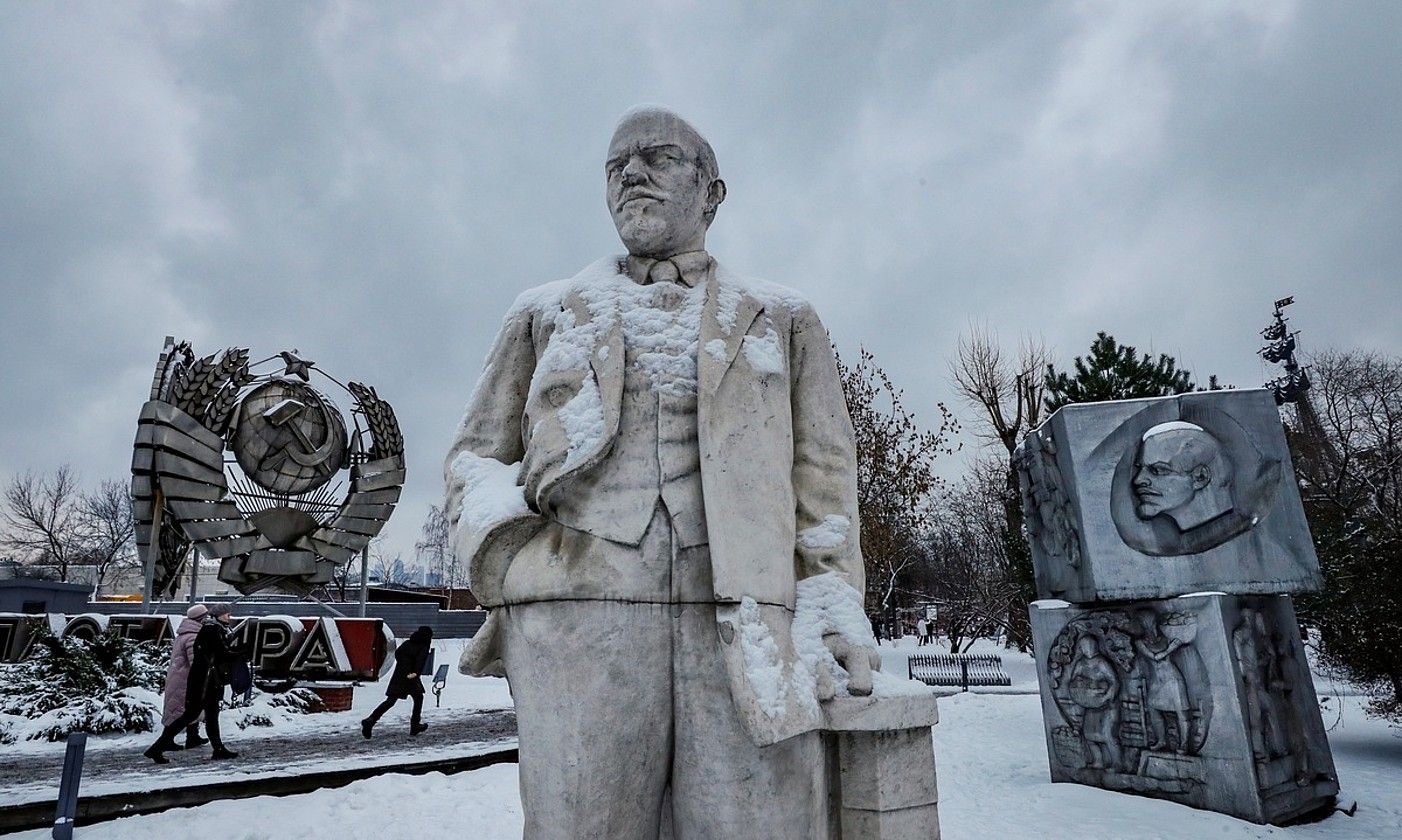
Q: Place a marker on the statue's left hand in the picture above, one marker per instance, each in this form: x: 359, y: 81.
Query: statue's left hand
x: 858, y: 660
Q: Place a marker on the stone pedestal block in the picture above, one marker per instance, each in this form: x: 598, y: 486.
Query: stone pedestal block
x: 881, y: 768
x: 1141, y: 499
x: 1204, y: 699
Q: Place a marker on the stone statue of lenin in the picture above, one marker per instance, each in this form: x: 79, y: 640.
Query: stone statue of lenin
x: 656, y: 455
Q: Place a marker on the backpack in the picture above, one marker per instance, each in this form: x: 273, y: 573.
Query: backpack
x: 240, y: 676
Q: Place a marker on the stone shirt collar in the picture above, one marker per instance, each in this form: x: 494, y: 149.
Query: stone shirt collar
x: 693, y: 266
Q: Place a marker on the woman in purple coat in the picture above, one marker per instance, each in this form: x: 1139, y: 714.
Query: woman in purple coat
x: 182, y: 654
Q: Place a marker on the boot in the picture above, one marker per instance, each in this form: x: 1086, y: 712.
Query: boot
x: 221, y: 753
x: 154, y: 752
x: 416, y: 728
x: 365, y: 727
x: 192, y: 737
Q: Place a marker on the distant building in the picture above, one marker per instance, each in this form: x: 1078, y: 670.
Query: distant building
x: 33, y: 596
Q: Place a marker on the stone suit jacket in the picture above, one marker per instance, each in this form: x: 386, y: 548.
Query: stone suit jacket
x: 778, y: 460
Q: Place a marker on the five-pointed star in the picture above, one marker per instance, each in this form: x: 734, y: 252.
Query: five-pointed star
x: 297, y: 367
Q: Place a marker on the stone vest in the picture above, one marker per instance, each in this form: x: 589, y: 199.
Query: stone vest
x: 655, y: 454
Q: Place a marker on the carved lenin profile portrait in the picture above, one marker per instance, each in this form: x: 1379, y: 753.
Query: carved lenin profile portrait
x: 1185, y: 486
x: 1182, y: 472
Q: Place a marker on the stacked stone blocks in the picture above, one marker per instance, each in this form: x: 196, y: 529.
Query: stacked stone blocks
x: 1166, y: 537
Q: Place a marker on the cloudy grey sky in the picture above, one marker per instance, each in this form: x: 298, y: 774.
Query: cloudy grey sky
x: 374, y: 183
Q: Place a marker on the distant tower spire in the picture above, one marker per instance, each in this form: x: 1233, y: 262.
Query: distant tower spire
x: 1293, y: 387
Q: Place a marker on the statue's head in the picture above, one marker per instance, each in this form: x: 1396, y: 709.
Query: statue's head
x: 663, y: 183
x: 1182, y: 472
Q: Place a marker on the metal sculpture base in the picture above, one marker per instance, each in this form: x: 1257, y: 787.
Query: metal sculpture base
x: 1205, y: 700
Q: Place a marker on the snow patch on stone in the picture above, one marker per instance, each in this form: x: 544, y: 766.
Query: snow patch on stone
x: 490, y: 493
x: 763, y: 353
x: 728, y: 299
x: 663, y: 343
x: 827, y: 604
x: 764, y: 664
x: 716, y: 347
x: 826, y: 535
x: 777, y: 684
x: 582, y: 419
x: 771, y: 295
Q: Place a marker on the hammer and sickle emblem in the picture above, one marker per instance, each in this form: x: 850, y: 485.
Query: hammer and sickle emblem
x: 301, y: 450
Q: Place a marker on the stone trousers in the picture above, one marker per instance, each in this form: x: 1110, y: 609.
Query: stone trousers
x: 627, y: 725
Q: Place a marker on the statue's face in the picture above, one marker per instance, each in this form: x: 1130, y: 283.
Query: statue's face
x: 657, y: 192
x: 1162, y: 482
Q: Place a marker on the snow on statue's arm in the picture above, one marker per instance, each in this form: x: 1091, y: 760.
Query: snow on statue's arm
x: 491, y: 423
x: 831, y: 631
x: 824, y: 457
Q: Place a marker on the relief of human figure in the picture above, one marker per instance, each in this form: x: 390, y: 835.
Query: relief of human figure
x: 1282, y: 673
x: 1167, y: 693
x: 1182, y: 473
x: 1256, y: 658
x: 1095, y: 687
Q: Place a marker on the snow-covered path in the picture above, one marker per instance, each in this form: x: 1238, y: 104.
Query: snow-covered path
x: 262, y: 753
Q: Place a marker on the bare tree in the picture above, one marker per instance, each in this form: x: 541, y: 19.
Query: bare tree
x: 1356, y: 399
x: 1347, y: 440
x: 42, y: 519
x: 390, y: 569
x: 1008, y: 391
x: 108, y: 529
x: 895, y: 476
x: 434, y: 550
x: 968, y: 569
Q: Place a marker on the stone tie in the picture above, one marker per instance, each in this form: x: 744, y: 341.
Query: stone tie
x: 664, y: 271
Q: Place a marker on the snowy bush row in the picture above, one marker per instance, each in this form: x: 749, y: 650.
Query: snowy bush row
x: 106, y: 685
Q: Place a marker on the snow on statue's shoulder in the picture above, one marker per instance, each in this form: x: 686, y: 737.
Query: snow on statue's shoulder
x: 551, y: 296
x: 767, y: 293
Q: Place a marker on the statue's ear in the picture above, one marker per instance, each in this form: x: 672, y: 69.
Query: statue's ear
x: 715, y: 194
x: 1202, y: 476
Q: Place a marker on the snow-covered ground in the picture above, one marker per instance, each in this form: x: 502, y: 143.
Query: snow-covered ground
x: 990, y: 751
x: 460, y: 693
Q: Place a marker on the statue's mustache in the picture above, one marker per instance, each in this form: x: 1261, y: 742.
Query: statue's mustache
x: 637, y: 194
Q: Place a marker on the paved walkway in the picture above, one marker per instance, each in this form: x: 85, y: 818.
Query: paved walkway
x: 118, y: 768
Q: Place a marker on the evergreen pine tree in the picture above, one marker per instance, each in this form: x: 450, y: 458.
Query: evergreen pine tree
x: 1113, y: 371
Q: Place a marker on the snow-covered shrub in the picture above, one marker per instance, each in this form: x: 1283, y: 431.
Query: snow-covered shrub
x: 7, y: 732
x: 126, y: 710
x: 266, y: 709
x: 109, y: 684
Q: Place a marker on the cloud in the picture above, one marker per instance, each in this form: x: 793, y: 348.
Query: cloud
x: 373, y: 184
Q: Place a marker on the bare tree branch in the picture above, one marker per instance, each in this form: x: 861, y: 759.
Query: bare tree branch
x: 41, y: 519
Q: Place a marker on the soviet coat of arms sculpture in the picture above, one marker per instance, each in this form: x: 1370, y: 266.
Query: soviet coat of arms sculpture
x: 269, y: 513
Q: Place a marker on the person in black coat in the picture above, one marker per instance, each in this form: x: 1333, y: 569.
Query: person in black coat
x: 409, y: 661
x: 210, y: 670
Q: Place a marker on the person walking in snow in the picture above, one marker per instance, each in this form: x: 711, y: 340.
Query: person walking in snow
x: 210, y: 667
x: 182, y: 653
x: 407, y: 681
x: 922, y: 632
